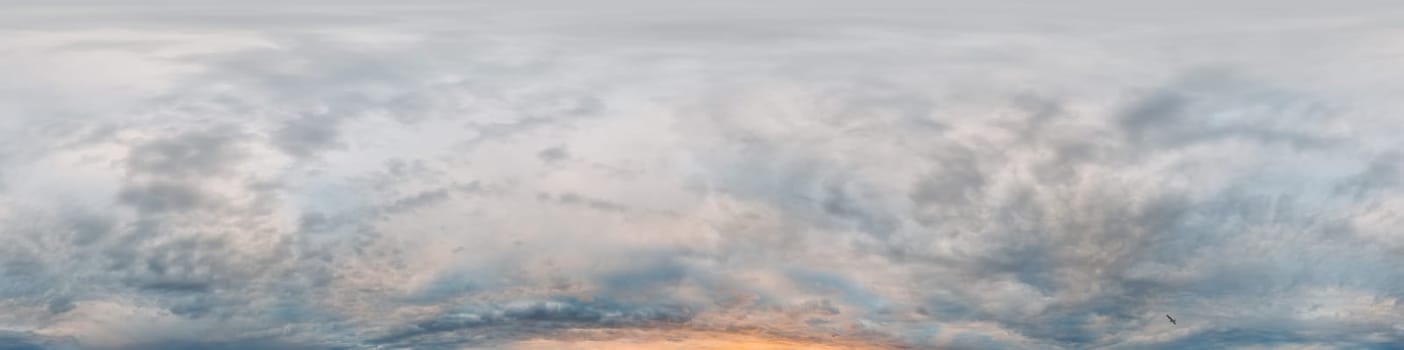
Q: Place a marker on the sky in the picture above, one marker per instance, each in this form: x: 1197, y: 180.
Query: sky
x: 673, y: 175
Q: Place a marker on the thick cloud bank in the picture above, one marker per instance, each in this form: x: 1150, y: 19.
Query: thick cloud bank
x: 943, y: 175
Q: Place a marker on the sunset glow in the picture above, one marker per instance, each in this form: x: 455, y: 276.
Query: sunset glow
x: 688, y: 340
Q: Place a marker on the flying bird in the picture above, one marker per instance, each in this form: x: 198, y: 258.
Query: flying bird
x: 1172, y: 319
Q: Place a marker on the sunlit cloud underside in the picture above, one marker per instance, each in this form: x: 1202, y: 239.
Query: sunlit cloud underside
x: 680, y: 340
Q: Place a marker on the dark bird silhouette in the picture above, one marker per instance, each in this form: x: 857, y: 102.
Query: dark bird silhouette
x: 1172, y: 319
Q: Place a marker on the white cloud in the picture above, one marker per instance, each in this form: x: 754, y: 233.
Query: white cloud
x: 439, y: 175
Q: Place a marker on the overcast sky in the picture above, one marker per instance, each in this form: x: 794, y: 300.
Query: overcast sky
x: 552, y: 175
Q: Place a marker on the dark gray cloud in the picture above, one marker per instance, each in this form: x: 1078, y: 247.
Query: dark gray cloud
x: 162, y: 196
x: 1381, y: 176
x: 307, y: 135
x: 553, y: 154
x: 171, y: 174
x: 271, y: 344
x: 195, y: 154
x: 30, y: 341
x: 1219, y: 104
x: 576, y: 199
x: 417, y: 200
x: 494, y: 324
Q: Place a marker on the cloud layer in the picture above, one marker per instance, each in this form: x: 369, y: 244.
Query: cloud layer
x: 435, y: 175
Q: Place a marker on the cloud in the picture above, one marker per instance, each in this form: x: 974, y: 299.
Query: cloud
x: 1214, y: 105
x: 533, y: 317
x: 553, y: 154
x: 29, y: 341
x: 441, y: 175
x: 307, y: 135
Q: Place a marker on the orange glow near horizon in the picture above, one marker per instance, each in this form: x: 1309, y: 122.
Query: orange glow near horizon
x: 686, y: 340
